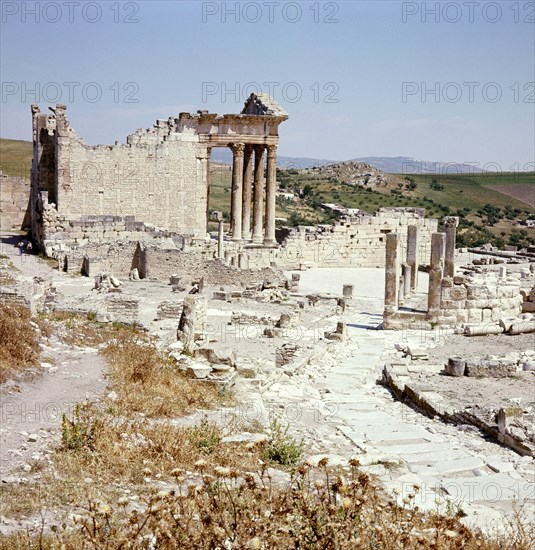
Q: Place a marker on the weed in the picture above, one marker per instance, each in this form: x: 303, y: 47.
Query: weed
x: 282, y: 447
x: 206, y: 436
x: 80, y: 432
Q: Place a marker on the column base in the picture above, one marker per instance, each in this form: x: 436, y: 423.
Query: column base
x: 270, y: 243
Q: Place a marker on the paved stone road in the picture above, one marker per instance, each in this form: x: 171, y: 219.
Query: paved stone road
x: 455, y: 468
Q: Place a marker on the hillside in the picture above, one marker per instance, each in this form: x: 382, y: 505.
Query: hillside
x: 486, y: 214
x: 16, y: 157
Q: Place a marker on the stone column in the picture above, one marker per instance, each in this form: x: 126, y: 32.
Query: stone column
x: 247, y: 192
x: 271, y: 183
x: 436, y: 270
x: 392, y: 273
x: 208, y: 155
x: 412, y: 254
x: 406, y: 271
x: 237, y: 184
x: 220, y: 239
x: 401, y: 292
x: 258, y: 197
x: 451, y: 223
x: 347, y: 292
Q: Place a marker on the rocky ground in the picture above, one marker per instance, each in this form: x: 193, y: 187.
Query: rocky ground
x: 328, y: 393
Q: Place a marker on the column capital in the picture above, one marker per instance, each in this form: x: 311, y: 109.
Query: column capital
x: 271, y: 150
x: 237, y: 149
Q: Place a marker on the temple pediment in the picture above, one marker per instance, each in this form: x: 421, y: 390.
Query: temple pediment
x: 263, y: 105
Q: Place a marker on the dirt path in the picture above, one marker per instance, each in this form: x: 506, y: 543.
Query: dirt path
x: 31, y: 415
x: 31, y: 410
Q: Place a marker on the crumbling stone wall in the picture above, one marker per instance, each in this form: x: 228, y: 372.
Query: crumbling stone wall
x: 355, y: 242
x: 478, y: 300
x: 161, y: 263
x: 158, y: 177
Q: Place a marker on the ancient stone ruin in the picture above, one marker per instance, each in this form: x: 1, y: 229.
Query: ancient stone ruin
x: 120, y: 207
x: 481, y: 303
x: 158, y: 180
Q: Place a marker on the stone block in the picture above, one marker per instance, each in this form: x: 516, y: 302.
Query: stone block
x: 461, y: 316
x: 474, y: 315
x: 219, y: 355
x: 452, y: 304
x: 507, y: 415
x: 456, y: 366
x: 486, y: 315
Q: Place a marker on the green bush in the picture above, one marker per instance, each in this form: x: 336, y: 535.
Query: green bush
x: 80, y: 432
x: 283, y: 448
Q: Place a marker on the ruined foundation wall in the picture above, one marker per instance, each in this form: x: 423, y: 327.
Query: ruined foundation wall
x: 161, y: 264
x: 482, y: 300
x: 358, y: 242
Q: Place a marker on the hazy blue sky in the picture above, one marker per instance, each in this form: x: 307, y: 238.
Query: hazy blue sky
x: 357, y: 78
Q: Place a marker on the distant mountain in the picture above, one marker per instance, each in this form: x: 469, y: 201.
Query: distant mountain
x: 17, y: 154
x: 392, y: 165
x: 224, y: 154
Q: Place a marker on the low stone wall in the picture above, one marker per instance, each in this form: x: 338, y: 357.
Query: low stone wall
x: 484, y: 299
x: 122, y: 309
x: 73, y: 232
x: 169, y: 310
x: 160, y: 264
x: 511, y: 426
x: 92, y: 258
x: 355, y: 242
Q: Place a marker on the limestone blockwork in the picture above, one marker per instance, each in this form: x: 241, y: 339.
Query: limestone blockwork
x: 157, y: 181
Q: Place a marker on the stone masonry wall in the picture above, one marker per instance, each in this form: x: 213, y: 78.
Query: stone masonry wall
x: 156, y: 177
x: 158, y: 182
x: 358, y: 242
x: 482, y: 300
x: 14, y: 194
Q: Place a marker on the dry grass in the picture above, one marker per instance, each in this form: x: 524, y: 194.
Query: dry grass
x: 76, y: 329
x: 122, y: 455
x: 146, y: 483
x: 147, y: 381
x: 19, y: 341
x: 227, y: 508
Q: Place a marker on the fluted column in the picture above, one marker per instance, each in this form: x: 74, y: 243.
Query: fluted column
x: 247, y: 192
x: 412, y: 254
x: 237, y: 190
x: 258, y: 197
x: 271, y: 182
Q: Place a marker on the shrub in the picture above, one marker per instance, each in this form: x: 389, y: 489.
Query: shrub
x: 283, y: 448
x: 205, y: 436
x: 80, y: 432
